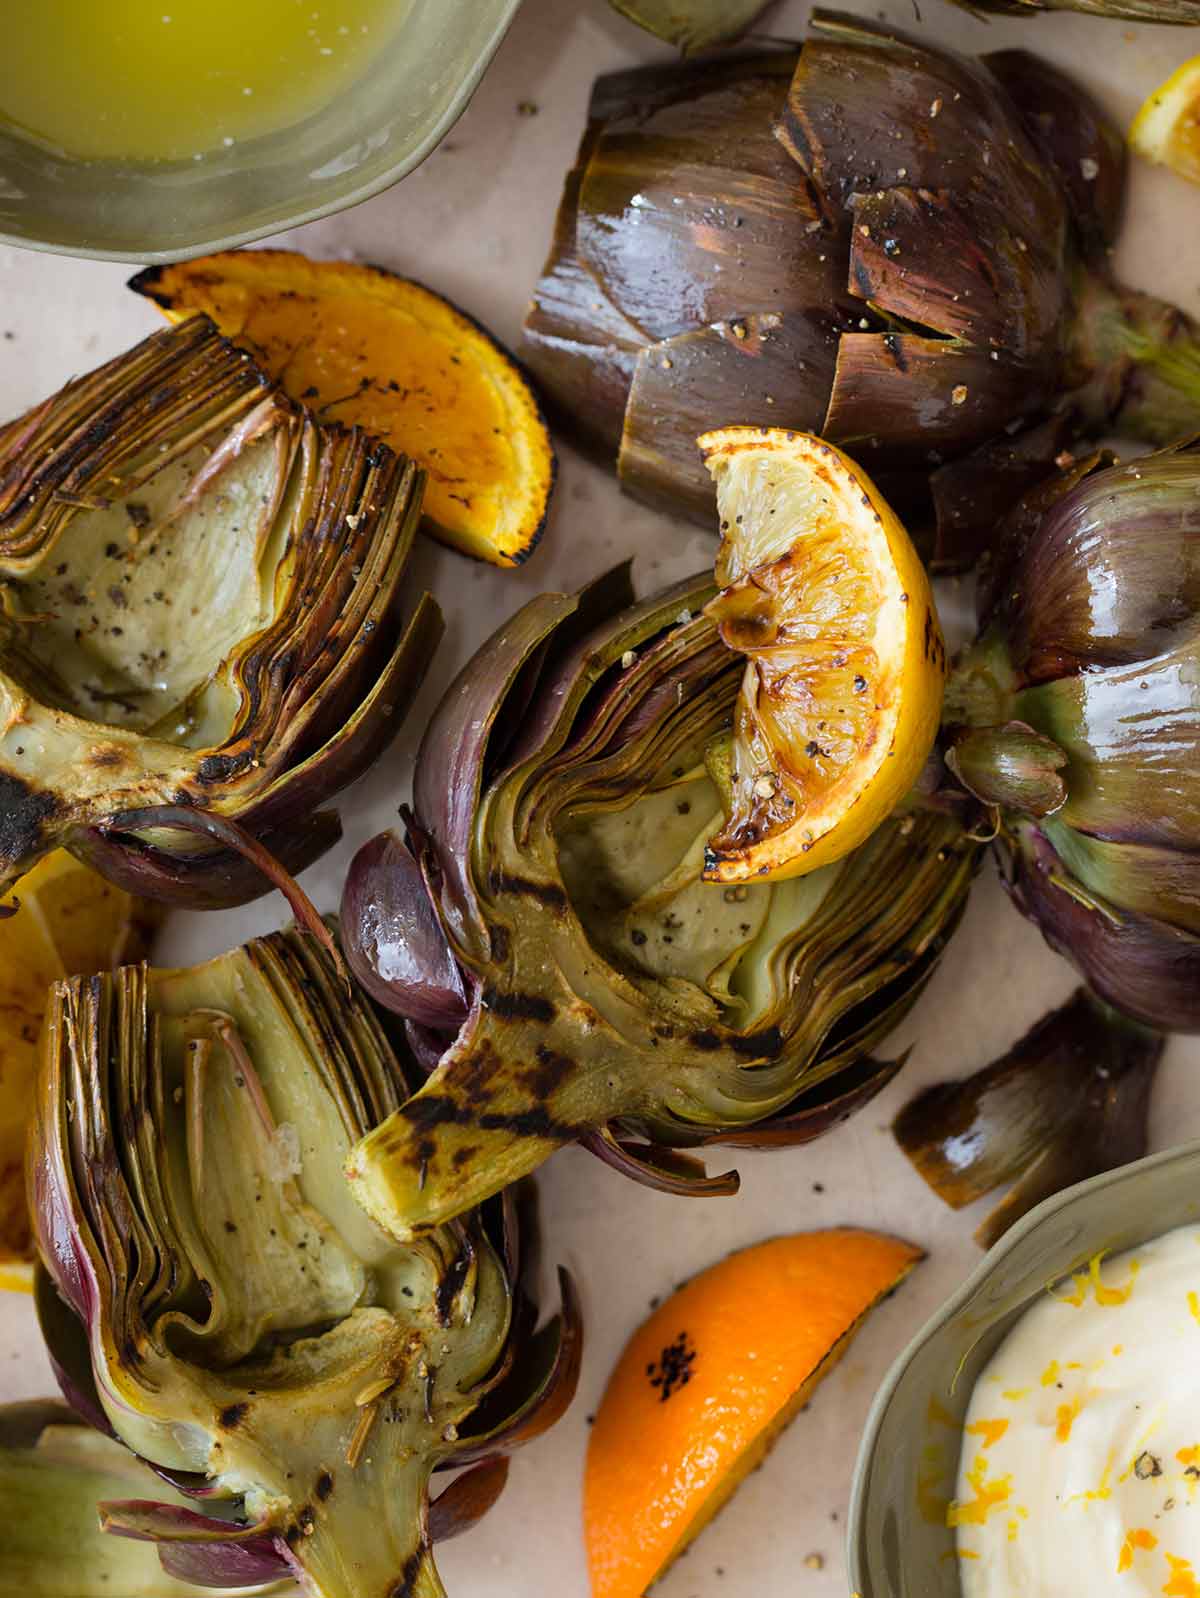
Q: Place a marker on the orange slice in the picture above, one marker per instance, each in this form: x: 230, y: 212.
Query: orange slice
x: 824, y: 594
x: 362, y: 346
x: 1167, y: 128
x: 707, y: 1384
x: 70, y: 922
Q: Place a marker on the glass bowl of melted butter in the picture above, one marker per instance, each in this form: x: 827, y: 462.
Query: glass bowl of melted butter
x: 1041, y: 1436
x: 151, y: 129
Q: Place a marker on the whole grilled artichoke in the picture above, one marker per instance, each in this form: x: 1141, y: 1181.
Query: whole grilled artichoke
x: 227, y: 1310
x: 567, y: 974
x: 1076, y: 716
x: 201, y: 597
x: 873, y: 239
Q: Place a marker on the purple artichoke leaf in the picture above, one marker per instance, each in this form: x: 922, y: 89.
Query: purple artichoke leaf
x: 454, y: 747
x: 245, y: 1323
x: 692, y: 24
x: 466, y: 1500
x: 226, y: 1565
x: 933, y: 393
x: 243, y: 670
x: 220, y: 879
x: 1143, y: 966
x: 236, y: 839
x: 966, y: 491
x: 584, y: 350
x: 939, y: 263
x: 871, y: 107
x: 771, y: 368
x: 394, y: 943
x: 650, y: 189
x: 146, y: 1520
x: 1074, y: 135
x: 1067, y: 1101
x: 659, y: 1167
x: 621, y: 991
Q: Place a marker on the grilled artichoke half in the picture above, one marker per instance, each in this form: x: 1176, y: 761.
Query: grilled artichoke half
x: 1076, y: 717
x: 227, y: 1310
x: 54, y: 1471
x: 874, y: 239
x: 566, y: 969
x: 201, y: 591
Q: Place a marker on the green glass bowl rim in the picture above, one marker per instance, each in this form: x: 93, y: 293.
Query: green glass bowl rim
x: 999, y: 1251
x: 208, y: 243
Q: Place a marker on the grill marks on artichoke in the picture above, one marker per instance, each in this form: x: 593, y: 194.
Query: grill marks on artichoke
x: 246, y: 1320
x: 200, y: 603
x: 673, y: 1009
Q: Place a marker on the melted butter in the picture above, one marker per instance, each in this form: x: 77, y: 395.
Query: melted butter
x: 1090, y: 1486
x: 173, y: 80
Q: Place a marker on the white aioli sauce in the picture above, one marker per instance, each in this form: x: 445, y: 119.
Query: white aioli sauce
x: 1080, y: 1469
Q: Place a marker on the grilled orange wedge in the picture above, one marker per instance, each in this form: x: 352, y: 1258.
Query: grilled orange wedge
x: 1167, y: 128
x: 824, y: 594
x: 707, y: 1384
x: 364, y: 347
x: 70, y: 922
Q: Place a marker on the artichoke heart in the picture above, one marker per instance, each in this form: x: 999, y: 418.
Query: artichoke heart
x: 200, y: 607
x: 564, y: 796
x: 225, y: 1307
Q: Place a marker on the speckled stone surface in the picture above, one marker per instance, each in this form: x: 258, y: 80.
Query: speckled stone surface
x: 474, y: 223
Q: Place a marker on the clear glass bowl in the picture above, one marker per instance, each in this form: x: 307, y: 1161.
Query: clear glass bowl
x: 367, y: 138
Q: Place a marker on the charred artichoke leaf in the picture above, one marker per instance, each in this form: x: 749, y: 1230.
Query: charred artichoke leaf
x: 613, y: 993
x: 200, y: 604
x: 54, y: 1471
x: 1067, y: 1101
x: 691, y: 24
x: 247, y: 1327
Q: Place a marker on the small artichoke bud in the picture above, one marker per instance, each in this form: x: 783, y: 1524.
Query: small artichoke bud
x: 1012, y: 767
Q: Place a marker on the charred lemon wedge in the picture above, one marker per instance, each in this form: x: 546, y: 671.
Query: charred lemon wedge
x: 708, y: 1383
x: 825, y: 596
x: 1167, y: 128
x: 69, y: 922
x: 362, y: 346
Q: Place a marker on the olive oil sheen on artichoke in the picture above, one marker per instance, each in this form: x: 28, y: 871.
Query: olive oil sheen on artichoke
x: 174, y: 80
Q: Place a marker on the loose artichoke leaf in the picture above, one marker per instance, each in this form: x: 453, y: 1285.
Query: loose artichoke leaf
x: 52, y: 1545
x: 1067, y: 1101
x: 692, y: 24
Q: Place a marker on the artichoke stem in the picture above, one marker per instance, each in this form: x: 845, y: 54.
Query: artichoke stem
x: 1137, y: 361
x: 511, y: 1091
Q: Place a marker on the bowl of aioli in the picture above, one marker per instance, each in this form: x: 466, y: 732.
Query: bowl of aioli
x: 150, y: 130
x: 1074, y: 1465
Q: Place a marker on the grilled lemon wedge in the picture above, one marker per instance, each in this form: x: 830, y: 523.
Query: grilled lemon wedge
x: 824, y: 594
